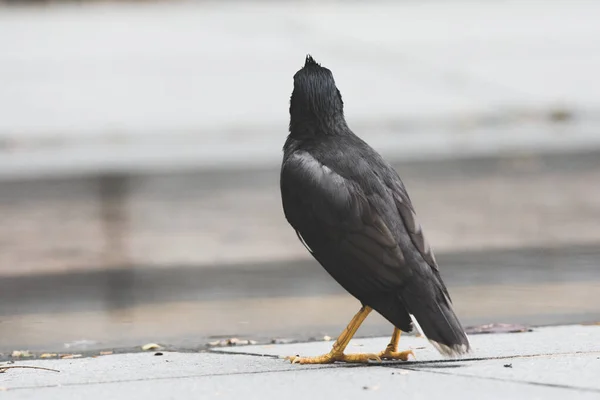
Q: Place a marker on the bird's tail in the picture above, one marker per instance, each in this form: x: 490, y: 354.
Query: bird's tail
x: 435, y: 319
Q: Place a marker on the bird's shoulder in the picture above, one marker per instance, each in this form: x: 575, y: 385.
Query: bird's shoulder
x: 342, y: 181
x: 341, y: 159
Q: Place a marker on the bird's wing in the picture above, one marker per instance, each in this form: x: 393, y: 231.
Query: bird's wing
x: 414, y: 229
x: 325, y: 207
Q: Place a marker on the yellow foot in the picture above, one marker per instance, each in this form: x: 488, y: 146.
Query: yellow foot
x: 361, y: 358
x: 396, y: 355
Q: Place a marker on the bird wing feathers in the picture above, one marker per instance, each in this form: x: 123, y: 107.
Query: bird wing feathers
x: 375, y: 227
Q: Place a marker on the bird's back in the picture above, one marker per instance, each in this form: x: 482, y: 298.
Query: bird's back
x: 360, y: 168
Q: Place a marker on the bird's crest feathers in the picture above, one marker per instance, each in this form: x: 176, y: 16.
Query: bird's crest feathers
x: 310, y: 61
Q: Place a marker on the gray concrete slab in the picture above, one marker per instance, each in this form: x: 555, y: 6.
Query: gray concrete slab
x: 541, y: 341
x: 140, y: 366
x: 337, y: 383
x: 550, y: 363
x: 569, y: 370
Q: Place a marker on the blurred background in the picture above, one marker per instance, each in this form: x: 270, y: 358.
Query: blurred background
x: 140, y: 145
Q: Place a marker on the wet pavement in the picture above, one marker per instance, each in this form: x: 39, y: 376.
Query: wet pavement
x: 187, y: 308
x: 214, y: 217
x: 184, y: 259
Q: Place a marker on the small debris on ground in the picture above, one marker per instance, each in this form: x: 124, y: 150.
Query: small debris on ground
x: 507, y: 365
x: 403, y: 372
x: 324, y: 338
x: 70, y: 356
x: 370, y: 387
x: 231, y: 342
x: 21, y: 354
x: 283, y: 341
x: 498, y: 328
x: 158, y: 354
x: 106, y: 353
x: 5, y: 368
x: 151, y: 346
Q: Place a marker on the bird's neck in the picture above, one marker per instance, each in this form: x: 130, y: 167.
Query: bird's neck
x: 308, y: 123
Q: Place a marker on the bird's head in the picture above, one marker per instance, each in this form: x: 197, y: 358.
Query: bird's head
x: 315, y: 97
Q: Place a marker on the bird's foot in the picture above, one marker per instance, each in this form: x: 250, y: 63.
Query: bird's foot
x: 359, y: 358
x: 389, y: 354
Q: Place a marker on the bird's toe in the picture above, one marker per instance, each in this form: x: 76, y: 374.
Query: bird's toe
x: 397, y: 355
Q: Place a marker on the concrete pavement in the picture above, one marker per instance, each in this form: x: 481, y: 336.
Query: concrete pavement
x: 130, y: 86
x: 548, y: 363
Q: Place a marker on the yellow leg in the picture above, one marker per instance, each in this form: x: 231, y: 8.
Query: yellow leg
x: 391, y: 351
x: 337, y: 352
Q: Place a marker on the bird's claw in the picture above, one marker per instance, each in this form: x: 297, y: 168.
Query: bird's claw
x: 396, y: 355
x: 293, y: 359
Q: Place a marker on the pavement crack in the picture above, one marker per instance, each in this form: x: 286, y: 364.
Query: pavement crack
x: 426, y: 362
x: 523, y: 382
x: 243, y: 353
x: 161, y: 378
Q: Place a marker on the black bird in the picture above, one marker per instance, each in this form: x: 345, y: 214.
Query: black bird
x: 351, y: 211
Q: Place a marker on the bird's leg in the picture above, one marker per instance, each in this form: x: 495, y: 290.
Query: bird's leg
x: 337, y: 351
x: 391, y: 351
